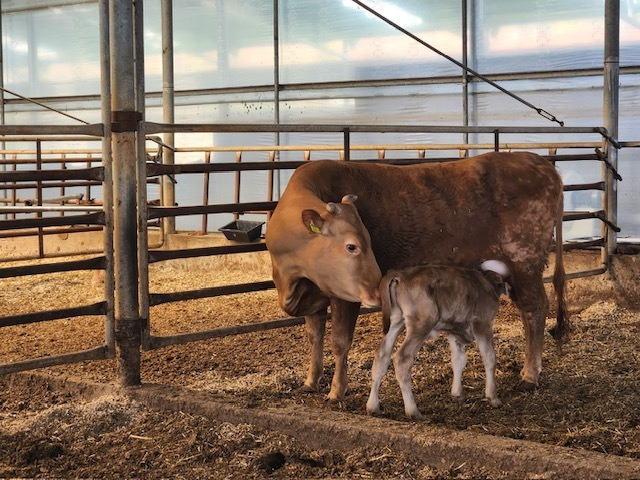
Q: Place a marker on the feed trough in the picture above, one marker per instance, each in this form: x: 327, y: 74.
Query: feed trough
x: 242, y: 230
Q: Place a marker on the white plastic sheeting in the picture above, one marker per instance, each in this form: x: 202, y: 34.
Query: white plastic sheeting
x: 52, y: 52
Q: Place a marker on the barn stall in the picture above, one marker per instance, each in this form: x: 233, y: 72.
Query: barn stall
x: 177, y: 359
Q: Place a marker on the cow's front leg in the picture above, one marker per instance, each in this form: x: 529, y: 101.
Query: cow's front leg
x: 315, y: 327
x: 343, y: 322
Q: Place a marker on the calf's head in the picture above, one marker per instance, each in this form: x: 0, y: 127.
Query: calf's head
x: 340, y: 260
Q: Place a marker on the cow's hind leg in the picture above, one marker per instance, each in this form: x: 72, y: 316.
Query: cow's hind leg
x: 381, y: 361
x: 532, y: 302
x: 315, y: 328
x: 343, y: 322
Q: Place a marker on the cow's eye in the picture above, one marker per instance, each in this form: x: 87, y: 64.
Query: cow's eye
x: 351, y: 248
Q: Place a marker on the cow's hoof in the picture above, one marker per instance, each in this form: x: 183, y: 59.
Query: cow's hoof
x: 336, y: 403
x: 458, y: 398
x: 525, y: 386
x: 495, y: 402
x: 307, y: 389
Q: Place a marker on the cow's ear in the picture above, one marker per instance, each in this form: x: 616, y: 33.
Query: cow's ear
x: 313, y: 221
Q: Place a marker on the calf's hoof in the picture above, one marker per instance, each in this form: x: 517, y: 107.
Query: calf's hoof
x: 415, y: 416
x: 374, y: 411
x: 458, y: 398
x: 495, y: 402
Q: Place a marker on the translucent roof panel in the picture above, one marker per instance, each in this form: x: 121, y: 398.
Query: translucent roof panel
x: 52, y: 51
x: 216, y: 44
x: 336, y: 40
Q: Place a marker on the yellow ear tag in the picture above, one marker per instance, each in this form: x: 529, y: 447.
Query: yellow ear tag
x: 314, y: 228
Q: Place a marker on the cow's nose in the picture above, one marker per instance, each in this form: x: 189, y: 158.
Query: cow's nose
x: 371, y: 299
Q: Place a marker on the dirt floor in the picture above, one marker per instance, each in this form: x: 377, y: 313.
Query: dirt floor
x: 588, y: 398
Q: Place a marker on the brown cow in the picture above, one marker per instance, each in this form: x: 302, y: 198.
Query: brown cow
x: 497, y: 205
x: 427, y: 300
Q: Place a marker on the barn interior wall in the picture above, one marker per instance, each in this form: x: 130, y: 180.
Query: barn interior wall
x: 53, y: 53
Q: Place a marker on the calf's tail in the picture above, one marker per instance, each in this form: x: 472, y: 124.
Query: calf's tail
x: 562, y: 328
x: 387, y: 300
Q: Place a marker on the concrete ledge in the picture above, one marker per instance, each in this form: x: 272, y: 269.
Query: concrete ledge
x: 326, y: 429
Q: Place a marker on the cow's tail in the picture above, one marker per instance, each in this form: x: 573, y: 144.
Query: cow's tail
x: 387, y: 300
x: 562, y: 328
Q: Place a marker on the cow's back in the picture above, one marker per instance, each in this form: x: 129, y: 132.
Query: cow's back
x: 496, y: 205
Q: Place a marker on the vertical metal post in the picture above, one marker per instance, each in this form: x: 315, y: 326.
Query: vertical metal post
x: 205, y: 194
x: 276, y: 100
x: 2, y: 122
x: 127, y: 322
x: 107, y: 164
x: 347, y: 144
x: 168, y: 109
x: 141, y: 177
x: 465, y: 74
x: 236, y: 197
x: 610, y: 111
x: 39, y: 197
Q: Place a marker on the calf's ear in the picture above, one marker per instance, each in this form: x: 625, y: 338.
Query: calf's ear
x: 313, y: 221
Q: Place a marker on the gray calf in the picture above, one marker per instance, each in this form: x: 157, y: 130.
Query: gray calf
x: 428, y: 300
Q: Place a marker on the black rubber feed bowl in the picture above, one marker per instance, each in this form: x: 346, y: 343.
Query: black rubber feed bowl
x: 242, y: 230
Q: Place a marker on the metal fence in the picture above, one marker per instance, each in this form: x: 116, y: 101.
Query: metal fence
x: 29, y: 220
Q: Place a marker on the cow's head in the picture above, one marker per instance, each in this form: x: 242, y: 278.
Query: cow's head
x: 340, y: 259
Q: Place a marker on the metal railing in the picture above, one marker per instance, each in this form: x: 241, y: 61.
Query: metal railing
x: 94, y: 215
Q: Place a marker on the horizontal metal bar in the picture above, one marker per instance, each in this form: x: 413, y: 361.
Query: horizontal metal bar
x: 586, y: 273
x: 30, y: 186
x: 93, y: 173
x: 46, y: 138
x: 98, y: 353
x: 390, y: 146
x: 95, y: 130
x: 96, y: 263
x: 50, y: 208
x: 159, y: 212
x: 578, y: 245
x: 162, y: 255
x: 155, y: 128
x: 160, y: 298
x: 391, y: 82
x: 48, y: 231
x: 580, y: 274
x: 570, y: 216
x: 99, y: 308
x: 163, y: 341
x: 154, y: 169
x: 45, y: 161
x: 584, y: 186
x: 96, y: 218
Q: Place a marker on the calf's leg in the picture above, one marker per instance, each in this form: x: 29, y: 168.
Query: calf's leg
x: 343, y: 322
x: 403, y: 362
x: 458, y: 362
x: 484, y: 337
x: 381, y: 361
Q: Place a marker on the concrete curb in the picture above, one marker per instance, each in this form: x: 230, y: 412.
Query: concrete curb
x: 326, y: 429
